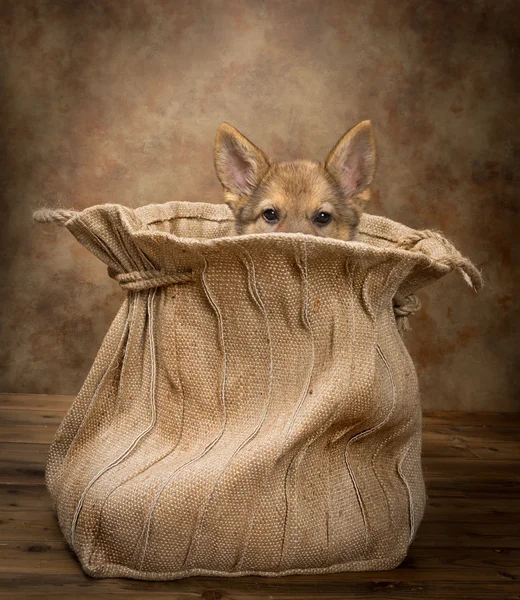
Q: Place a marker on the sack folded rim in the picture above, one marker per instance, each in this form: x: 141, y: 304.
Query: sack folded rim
x: 138, y: 220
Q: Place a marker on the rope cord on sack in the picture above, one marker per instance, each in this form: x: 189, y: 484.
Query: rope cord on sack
x: 143, y: 280
x: 403, y: 308
x: 452, y: 259
x: 60, y: 216
x: 137, y: 281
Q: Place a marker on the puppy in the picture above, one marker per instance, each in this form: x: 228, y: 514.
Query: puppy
x: 300, y: 196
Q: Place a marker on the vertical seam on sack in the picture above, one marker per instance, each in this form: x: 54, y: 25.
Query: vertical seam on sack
x: 129, y: 319
x: 128, y: 479
x: 253, y: 290
x: 361, y: 435
x: 364, y: 296
x: 299, y: 455
x: 135, y: 556
x: 349, y: 470
x: 303, y: 267
x: 132, y: 297
x: 307, y: 324
x: 126, y: 329
x: 123, y: 340
x: 241, y: 551
x: 124, y: 249
x: 401, y: 428
x: 100, y: 241
x: 115, y: 462
x: 364, y: 300
x: 147, y: 526
x: 280, y: 558
x: 135, y: 247
x: 411, y: 507
x: 387, y: 438
x: 110, y: 252
x: 358, y: 495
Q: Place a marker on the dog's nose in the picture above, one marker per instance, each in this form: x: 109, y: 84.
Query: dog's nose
x: 283, y: 228
x: 288, y: 226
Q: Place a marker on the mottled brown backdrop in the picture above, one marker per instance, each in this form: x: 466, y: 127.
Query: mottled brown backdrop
x: 120, y: 101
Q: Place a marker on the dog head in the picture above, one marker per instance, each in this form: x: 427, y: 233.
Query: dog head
x: 304, y: 196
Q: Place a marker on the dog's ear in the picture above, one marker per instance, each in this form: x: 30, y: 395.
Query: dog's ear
x: 352, y: 161
x: 239, y: 164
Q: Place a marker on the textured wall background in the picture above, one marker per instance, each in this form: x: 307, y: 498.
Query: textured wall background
x: 120, y: 101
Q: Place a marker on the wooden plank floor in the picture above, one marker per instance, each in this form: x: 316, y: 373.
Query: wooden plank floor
x: 468, y: 545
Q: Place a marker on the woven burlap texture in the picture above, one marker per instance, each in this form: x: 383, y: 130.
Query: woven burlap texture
x: 253, y: 408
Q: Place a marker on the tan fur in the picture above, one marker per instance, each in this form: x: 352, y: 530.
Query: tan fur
x: 297, y: 190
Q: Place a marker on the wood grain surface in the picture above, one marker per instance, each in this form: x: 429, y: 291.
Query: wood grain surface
x: 468, y: 545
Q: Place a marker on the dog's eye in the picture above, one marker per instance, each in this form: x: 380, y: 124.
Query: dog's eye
x: 270, y: 215
x: 322, y: 218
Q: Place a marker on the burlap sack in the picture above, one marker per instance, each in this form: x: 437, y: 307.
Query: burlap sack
x: 252, y: 409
